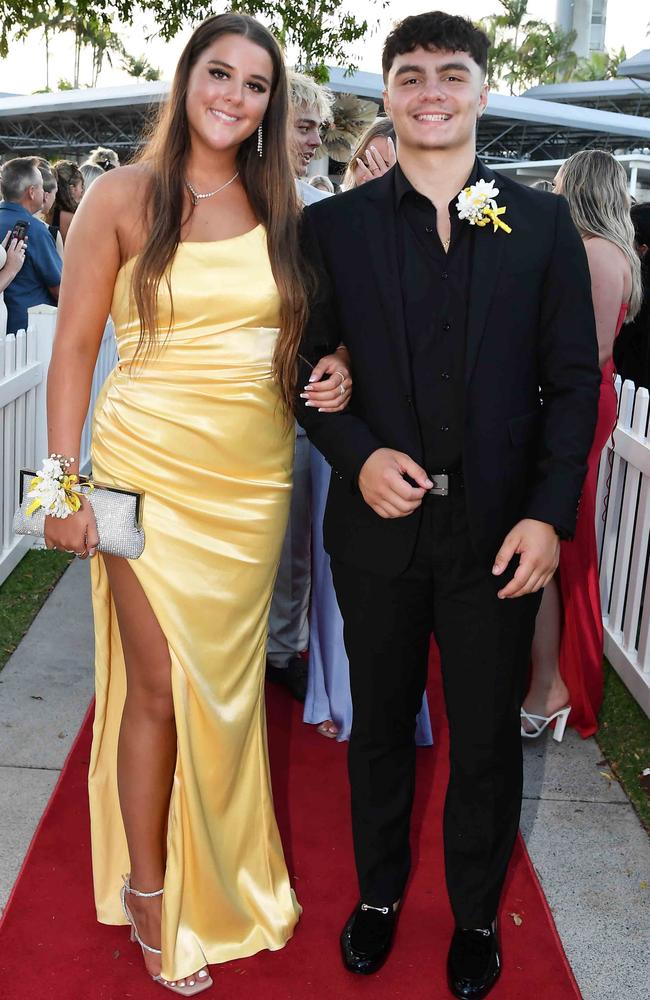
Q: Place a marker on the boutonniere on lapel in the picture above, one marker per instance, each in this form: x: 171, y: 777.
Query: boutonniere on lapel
x: 477, y: 204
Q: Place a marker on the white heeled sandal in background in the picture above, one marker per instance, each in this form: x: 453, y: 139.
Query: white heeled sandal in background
x: 188, y: 987
x: 540, y: 722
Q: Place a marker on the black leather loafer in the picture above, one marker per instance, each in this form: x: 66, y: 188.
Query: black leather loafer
x: 474, y: 963
x: 367, y: 938
x: 293, y: 676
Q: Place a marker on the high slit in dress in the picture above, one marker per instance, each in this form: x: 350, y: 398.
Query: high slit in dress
x: 199, y: 428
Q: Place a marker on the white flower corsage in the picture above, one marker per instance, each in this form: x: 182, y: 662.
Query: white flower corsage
x: 54, y: 489
x: 477, y: 204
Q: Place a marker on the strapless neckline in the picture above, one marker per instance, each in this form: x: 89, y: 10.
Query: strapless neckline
x: 200, y: 243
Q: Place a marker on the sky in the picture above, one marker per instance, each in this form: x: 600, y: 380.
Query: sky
x: 23, y: 71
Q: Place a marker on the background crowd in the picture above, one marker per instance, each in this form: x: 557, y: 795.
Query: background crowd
x: 174, y: 648
x: 306, y: 651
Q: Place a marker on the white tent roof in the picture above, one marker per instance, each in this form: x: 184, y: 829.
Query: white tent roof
x: 638, y: 65
x: 589, y: 90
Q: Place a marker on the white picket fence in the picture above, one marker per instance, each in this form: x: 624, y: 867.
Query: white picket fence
x: 24, y: 361
x: 623, y: 533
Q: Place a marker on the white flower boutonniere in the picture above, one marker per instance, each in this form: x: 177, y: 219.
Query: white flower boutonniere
x: 478, y: 205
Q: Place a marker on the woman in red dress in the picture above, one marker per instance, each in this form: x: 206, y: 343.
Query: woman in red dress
x: 567, y: 655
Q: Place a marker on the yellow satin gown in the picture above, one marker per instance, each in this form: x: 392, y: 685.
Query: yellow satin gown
x: 200, y: 430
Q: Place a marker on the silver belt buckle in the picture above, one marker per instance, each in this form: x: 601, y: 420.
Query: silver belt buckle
x: 440, y: 486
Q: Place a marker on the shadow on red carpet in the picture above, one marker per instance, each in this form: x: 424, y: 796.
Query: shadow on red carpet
x: 51, y: 947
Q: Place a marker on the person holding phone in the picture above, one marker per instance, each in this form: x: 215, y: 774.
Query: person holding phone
x: 37, y: 281
x: 12, y: 258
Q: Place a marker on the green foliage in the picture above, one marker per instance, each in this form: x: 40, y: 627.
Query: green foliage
x: 140, y: 67
x: 624, y: 738
x: 599, y: 66
x: 321, y: 31
x: 23, y: 593
x: 527, y: 51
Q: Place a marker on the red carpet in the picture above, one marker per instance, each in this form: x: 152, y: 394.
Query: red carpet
x: 51, y: 948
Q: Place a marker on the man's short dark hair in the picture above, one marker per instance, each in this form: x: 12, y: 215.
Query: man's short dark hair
x: 16, y: 176
x: 435, y: 30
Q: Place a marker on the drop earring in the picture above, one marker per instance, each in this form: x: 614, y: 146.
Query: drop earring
x: 260, y: 141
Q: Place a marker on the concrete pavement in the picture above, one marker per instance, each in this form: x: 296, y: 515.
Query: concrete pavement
x: 585, y: 840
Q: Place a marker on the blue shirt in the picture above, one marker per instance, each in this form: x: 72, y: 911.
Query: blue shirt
x: 40, y: 272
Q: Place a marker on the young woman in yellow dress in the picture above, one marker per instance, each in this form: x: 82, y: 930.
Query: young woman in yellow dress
x: 193, y: 250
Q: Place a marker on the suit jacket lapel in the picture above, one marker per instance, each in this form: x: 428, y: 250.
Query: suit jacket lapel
x: 486, y: 262
x: 381, y: 243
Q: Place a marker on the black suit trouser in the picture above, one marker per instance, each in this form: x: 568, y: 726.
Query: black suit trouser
x: 484, y: 645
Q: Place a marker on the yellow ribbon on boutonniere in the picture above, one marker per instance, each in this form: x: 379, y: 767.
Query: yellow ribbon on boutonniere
x: 477, y: 204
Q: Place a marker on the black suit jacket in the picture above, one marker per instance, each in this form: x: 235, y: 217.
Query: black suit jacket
x: 531, y: 370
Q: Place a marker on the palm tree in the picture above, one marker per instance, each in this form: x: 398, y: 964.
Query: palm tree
x: 599, y: 66
x: 547, y: 54
x: 140, y: 67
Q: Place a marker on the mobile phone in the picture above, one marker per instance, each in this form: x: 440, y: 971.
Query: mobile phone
x: 19, y: 232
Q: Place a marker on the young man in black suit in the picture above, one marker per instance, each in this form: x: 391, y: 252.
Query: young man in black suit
x: 455, y: 471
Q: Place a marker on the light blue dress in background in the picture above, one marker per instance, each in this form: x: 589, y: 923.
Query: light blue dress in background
x: 328, y: 685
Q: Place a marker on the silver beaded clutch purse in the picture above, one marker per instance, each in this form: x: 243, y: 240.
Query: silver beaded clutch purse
x: 118, y: 514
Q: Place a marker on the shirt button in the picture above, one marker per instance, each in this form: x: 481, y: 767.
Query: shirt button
x: 445, y: 375
x: 428, y: 229
x: 444, y: 275
x: 444, y: 428
x: 447, y: 326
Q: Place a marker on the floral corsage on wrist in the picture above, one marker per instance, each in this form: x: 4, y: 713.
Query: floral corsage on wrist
x: 477, y: 204
x: 54, y: 489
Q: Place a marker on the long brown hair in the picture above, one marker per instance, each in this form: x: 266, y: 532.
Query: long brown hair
x: 67, y: 173
x: 267, y: 180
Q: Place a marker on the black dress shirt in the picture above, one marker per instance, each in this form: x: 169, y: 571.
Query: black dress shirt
x: 435, y: 289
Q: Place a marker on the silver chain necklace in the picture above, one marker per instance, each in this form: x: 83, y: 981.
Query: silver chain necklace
x: 196, y: 197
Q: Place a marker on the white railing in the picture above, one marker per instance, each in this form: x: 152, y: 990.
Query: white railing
x: 24, y: 361
x: 623, y: 533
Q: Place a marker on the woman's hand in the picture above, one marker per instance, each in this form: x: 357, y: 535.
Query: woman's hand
x: 76, y: 533
x: 15, y: 256
x: 374, y: 164
x: 332, y: 393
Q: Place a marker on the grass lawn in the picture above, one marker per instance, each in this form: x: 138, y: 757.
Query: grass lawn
x: 23, y: 593
x: 624, y: 738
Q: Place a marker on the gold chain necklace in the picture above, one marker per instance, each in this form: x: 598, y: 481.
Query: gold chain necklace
x: 196, y: 197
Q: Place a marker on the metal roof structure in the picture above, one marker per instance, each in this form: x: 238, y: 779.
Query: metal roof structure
x: 638, y: 66
x: 637, y: 168
x: 630, y: 96
x: 70, y: 123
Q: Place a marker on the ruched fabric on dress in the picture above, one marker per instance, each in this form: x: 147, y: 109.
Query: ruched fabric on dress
x: 199, y: 428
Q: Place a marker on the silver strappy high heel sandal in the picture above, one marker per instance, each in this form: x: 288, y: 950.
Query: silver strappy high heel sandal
x: 188, y: 987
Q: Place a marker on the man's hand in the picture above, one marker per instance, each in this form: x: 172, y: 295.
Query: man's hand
x: 384, y: 488
x: 537, y: 545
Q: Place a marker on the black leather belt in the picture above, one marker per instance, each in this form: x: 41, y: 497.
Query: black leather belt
x: 445, y: 483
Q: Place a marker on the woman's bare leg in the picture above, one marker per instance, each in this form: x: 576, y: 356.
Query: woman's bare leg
x: 547, y: 692
x: 146, y: 750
